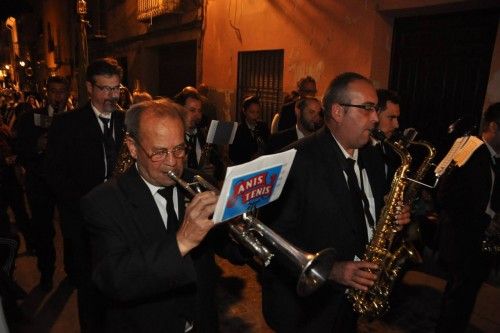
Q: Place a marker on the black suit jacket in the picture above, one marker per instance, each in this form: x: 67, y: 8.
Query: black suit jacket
x: 75, y: 160
x: 137, y: 264
x: 75, y: 154
x: 287, y: 116
x: 462, y: 199
x: 244, y: 147
x: 281, y: 139
x: 213, y: 155
x: 314, y: 213
x: 28, y: 135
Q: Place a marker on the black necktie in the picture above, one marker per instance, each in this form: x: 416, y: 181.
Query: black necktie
x: 192, y: 159
x: 172, y: 221
x: 109, y: 146
x: 356, y: 197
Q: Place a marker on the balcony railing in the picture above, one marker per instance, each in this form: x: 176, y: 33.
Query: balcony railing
x: 147, y: 9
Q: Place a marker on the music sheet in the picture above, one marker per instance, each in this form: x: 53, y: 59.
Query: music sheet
x: 252, y: 185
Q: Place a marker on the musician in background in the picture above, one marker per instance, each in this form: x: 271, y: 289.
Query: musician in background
x: 332, y: 198
x: 252, y: 134
x: 466, y: 209
x: 32, y: 129
x: 388, y: 122
x: 200, y: 156
x: 286, y: 118
x: 309, y: 118
x: 81, y: 154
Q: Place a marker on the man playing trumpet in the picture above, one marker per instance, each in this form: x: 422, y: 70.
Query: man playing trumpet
x: 152, y: 253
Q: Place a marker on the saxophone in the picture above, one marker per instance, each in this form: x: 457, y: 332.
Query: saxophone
x: 124, y: 160
x: 412, y: 229
x: 414, y: 187
x: 384, y: 250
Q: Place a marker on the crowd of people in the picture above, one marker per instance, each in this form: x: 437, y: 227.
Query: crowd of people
x: 140, y: 251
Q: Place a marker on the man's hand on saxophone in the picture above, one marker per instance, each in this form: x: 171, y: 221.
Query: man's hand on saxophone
x: 354, y: 274
x: 403, y: 217
x: 358, y: 274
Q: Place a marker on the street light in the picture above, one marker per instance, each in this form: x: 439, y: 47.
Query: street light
x: 22, y: 63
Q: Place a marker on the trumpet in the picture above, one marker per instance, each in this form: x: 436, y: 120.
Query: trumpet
x: 250, y: 232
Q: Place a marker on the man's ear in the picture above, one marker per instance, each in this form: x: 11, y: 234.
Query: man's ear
x: 297, y: 112
x: 131, y: 146
x: 89, y: 87
x: 337, y: 112
x: 494, y: 126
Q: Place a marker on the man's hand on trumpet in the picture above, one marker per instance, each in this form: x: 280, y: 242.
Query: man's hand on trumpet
x: 197, y: 222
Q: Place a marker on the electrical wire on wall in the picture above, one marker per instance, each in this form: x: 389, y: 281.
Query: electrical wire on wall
x: 235, y: 17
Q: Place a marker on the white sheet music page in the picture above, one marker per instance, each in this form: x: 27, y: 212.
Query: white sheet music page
x: 253, y: 184
x: 459, y: 153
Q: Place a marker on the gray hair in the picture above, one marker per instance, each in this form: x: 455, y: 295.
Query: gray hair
x: 161, y: 108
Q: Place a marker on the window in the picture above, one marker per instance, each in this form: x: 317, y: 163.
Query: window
x: 261, y: 73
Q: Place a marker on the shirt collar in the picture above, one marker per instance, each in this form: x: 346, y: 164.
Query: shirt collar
x: 300, y: 135
x: 100, y: 114
x: 492, y: 151
x: 346, y: 154
x: 153, y: 188
x: 252, y: 127
x: 50, y: 110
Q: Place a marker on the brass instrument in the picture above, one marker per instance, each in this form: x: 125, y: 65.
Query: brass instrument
x: 206, y: 151
x: 124, y: 160
x: 412, y: 230
x: 250, y: 232
x: 413, y: 188
x: 388, y: 254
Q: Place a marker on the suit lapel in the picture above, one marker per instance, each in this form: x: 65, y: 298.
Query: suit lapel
x: 118, y: 118
x: 335, y: 176
x: 145, y: 213
x: 92, y: 124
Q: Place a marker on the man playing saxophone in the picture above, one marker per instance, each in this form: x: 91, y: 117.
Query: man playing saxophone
x: 200, y: 154
x: 332, y: 197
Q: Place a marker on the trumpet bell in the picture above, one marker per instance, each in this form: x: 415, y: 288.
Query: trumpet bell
x: 315, y: 272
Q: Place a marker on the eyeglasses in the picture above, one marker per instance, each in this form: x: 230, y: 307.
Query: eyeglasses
x: 108, y: 89
x: 366, y: 107
x: 161, y: 154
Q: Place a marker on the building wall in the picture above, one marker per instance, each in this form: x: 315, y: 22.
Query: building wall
x: 56, y: 13
x: 321, y: 38
x: 138, y: 41
x: 493, y: 89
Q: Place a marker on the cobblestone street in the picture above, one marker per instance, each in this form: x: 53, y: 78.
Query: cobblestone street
x: 415, y: 306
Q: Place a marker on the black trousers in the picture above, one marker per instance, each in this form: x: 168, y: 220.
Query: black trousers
x: 77, y: 264
x: 12, y: 196
x: 42, y: 203
x: 462, y: 285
